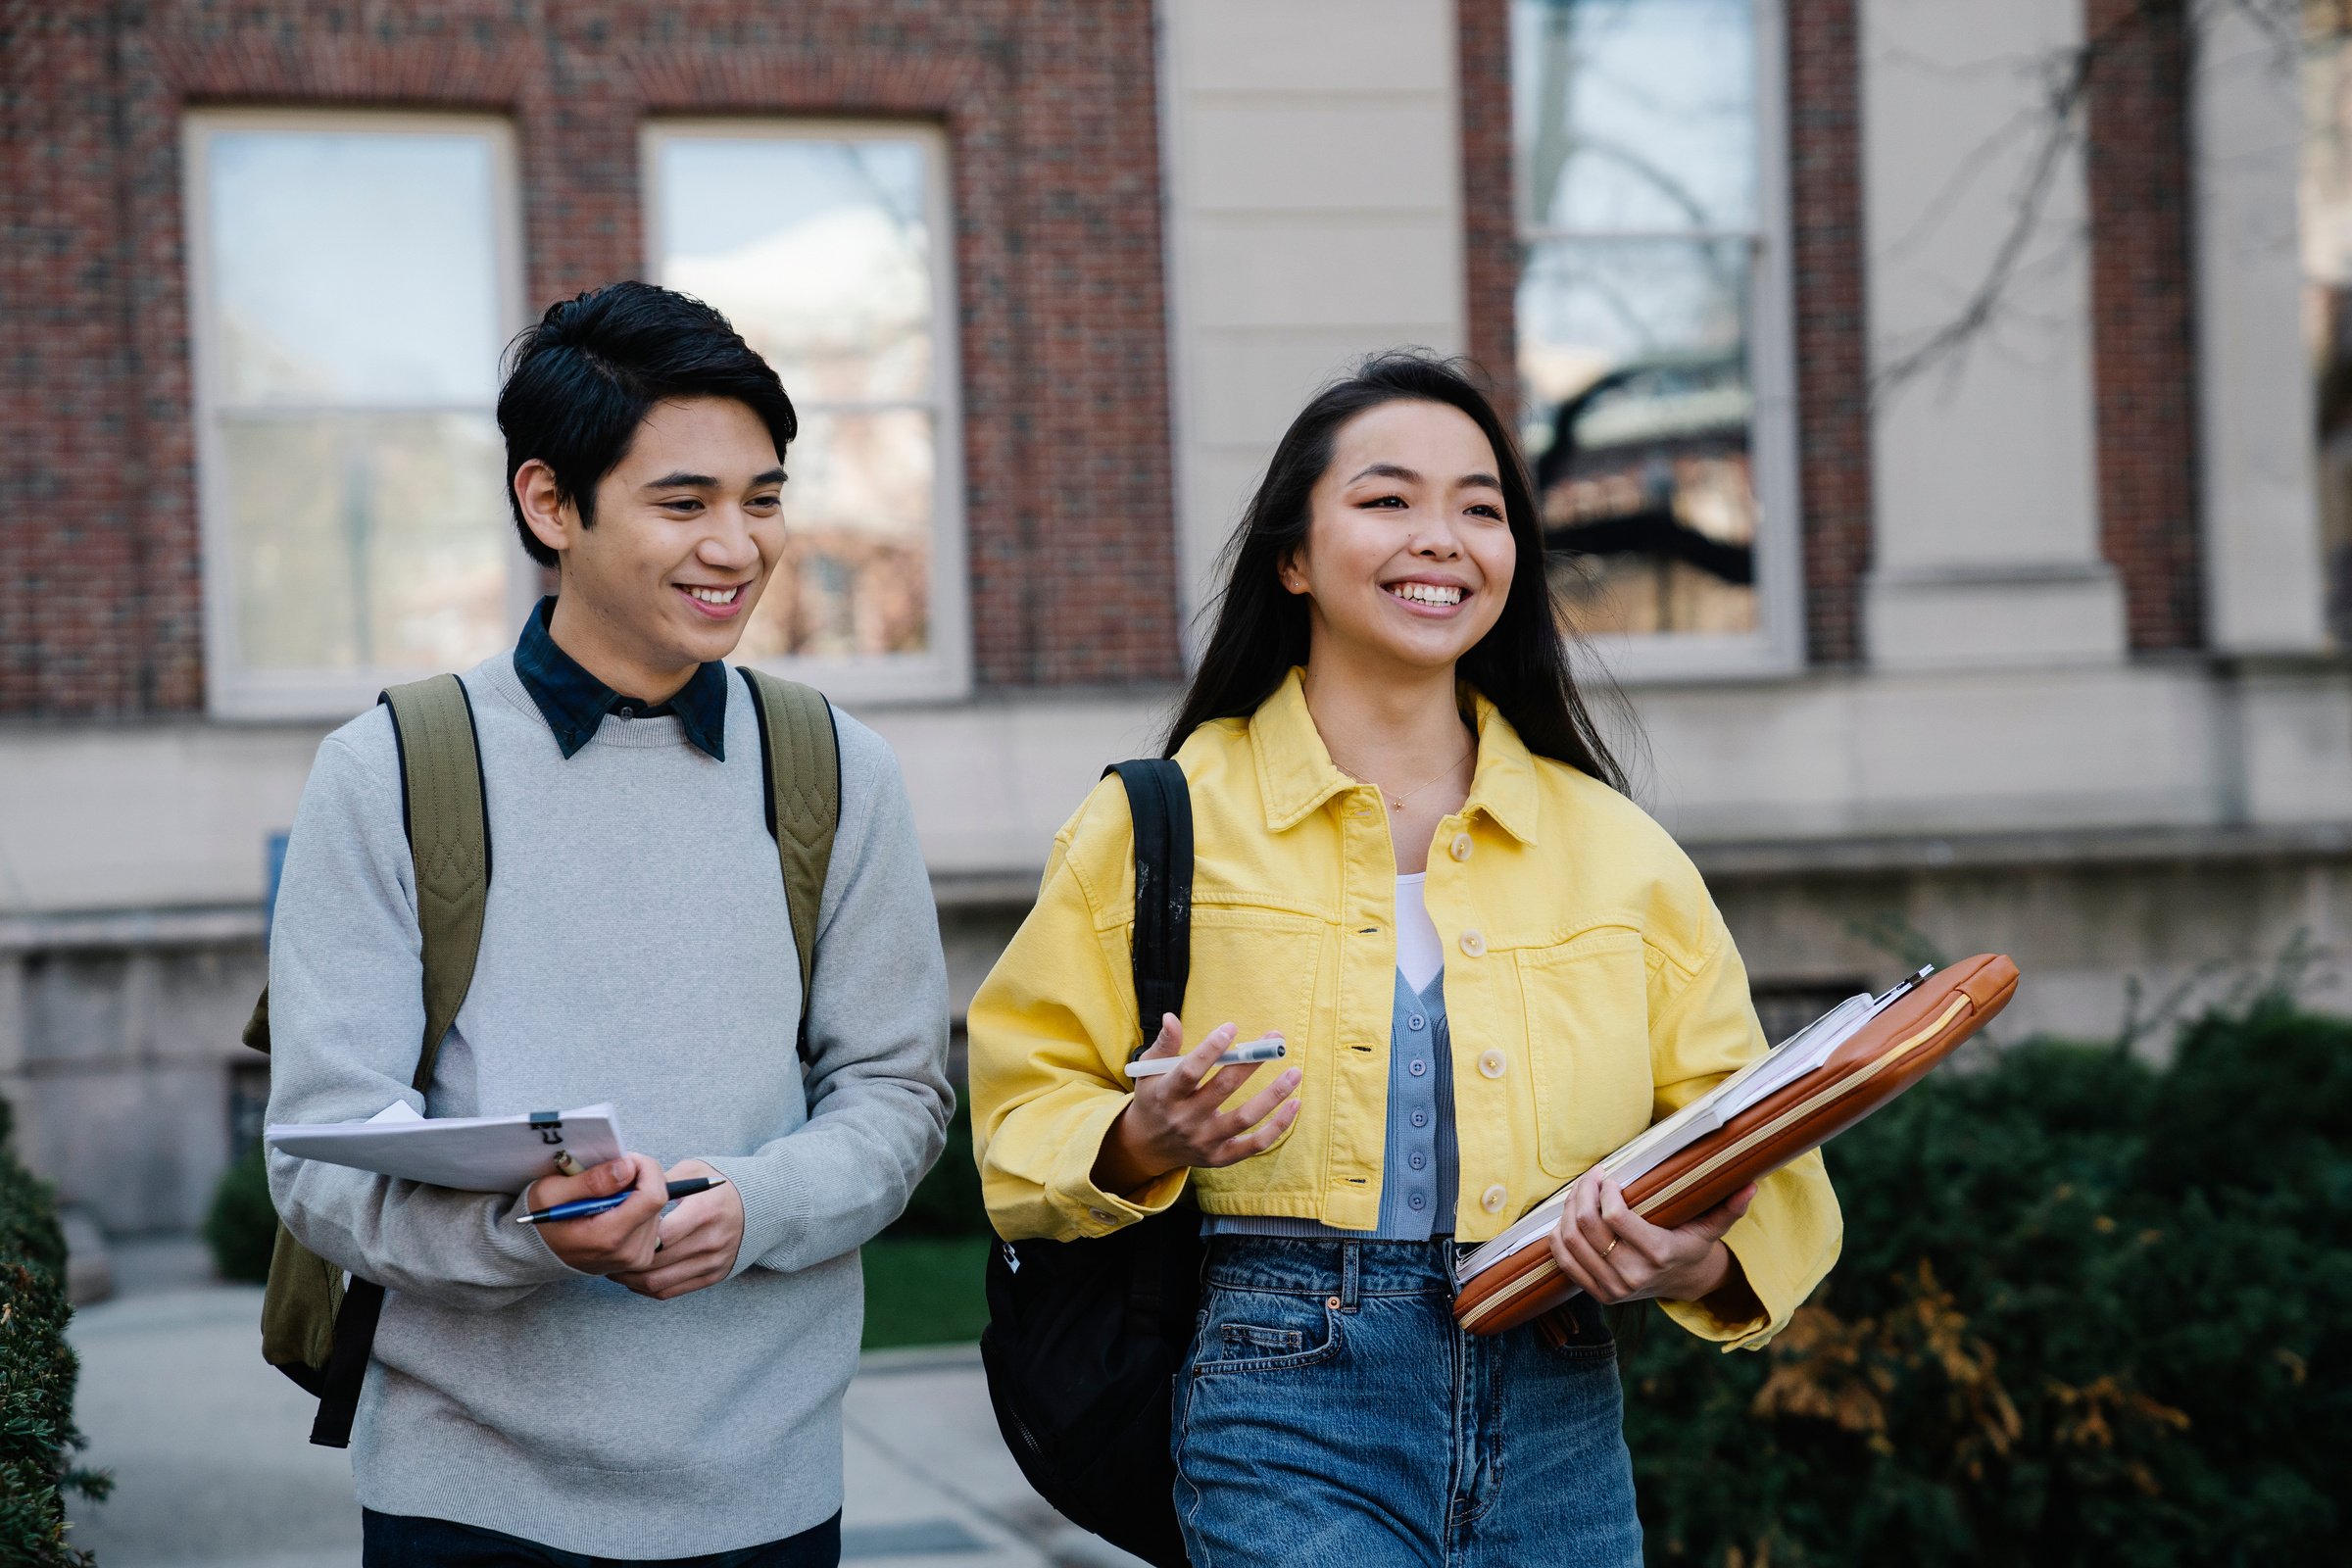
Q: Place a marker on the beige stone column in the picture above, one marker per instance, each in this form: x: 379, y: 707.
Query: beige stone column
x: 1314, y: 206
x: 2263, y: 588
x: 1987, y: 547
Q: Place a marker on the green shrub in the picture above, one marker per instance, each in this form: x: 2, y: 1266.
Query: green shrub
x: 924, y: 1274
x: 2089, y: 1313
x: 241, y: 1225
x: 946, y: 1203
x: 924, y: 1290
x: 37, y: 1369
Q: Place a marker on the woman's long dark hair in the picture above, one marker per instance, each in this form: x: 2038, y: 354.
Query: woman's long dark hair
x: 1521, y: 664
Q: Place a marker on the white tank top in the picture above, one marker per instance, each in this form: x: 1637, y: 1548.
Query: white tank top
x: 1419, y: 954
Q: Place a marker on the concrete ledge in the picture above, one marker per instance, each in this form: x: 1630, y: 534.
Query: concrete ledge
x: 173, y: 818
x: 199, y: 926
x: 1015, y: 887
x: 2298, y: 842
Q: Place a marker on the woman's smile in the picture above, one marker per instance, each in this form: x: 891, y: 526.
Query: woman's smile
x: 1435, y: 598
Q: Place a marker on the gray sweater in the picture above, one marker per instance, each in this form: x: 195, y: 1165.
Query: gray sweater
x: 636, y: 948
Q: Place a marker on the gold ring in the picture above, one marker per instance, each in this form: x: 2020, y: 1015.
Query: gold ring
x: 1611, y: 1248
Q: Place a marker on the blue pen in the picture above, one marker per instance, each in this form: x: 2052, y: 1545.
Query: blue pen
x: 584, y: 1208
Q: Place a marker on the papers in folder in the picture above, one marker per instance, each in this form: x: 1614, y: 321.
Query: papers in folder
x: 472, y: 1153
x: 1800, y: 1053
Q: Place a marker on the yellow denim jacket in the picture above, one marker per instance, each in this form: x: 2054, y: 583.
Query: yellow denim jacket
x: 1591, y: 987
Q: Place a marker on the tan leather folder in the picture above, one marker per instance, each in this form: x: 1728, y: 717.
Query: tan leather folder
x: 1886, y: 1055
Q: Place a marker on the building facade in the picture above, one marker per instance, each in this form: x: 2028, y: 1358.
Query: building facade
x: 1927, y: 400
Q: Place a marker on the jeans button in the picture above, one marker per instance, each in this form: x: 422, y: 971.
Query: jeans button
x: 1491, y: 1199
x: 1473, y: 944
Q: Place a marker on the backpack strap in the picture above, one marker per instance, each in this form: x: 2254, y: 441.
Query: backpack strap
x: 1162, y: 806
x: 800, y: 743
x: 444, y: 803
x: 444, y: 809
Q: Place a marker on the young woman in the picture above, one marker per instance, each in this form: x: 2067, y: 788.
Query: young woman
x: 1414, y: 862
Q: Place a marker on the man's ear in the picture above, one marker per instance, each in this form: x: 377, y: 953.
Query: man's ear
x: 550, y: 517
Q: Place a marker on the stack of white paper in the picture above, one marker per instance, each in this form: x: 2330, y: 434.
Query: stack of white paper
x: 472, y: 1153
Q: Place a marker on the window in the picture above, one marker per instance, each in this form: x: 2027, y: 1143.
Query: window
x: 353, y: 281
x: 827, y: 245
x: 1650, y: 319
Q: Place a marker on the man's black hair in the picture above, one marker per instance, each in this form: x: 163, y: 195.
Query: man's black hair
x: 580, y: 383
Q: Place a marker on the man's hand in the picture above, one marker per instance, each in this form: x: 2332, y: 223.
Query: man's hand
x: 700, y: 1239
x: 1616, y: 1256
x: 618, y: 1239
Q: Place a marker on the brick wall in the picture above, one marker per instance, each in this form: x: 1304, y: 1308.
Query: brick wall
x: 1833, y: 374
x: 2142, y: 328
x: 1490, y: 221
x: 1048, y: 106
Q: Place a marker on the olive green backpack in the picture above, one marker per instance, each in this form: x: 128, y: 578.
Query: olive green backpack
x: 315, y: 1329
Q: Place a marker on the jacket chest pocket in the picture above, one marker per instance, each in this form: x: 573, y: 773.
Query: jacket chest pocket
x: 1587, y: 1034
x: 1259, y: 970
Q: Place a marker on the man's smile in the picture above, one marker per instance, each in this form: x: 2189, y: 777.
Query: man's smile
x: 719, y: 603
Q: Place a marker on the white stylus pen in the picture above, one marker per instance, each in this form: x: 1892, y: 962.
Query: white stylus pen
x: 1270, y: 1049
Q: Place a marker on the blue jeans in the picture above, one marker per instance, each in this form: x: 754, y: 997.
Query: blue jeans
x: 1330, y: 1415
x: 404, y: 1540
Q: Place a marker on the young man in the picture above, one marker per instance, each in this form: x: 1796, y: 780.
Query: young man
x: 639, y: 1386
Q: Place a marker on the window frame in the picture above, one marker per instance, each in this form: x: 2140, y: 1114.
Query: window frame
x: 944, y: 671
x: 232, y: 690
x: 1777, y: 647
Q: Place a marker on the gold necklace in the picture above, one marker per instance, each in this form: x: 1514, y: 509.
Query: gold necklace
x: 1396, y: 802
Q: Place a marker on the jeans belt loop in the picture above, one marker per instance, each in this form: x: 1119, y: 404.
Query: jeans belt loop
x: 1349, y: 1252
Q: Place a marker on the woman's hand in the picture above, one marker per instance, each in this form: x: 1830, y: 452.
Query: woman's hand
x: 1616, y: 1256
x: 1174, y: 1121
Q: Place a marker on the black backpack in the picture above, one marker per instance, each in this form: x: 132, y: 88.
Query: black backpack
x: 1084, y: 1338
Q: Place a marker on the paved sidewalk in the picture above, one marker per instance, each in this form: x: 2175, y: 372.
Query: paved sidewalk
x: 212, y: 1467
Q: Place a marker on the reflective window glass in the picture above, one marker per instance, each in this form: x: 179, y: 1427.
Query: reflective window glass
x: 1637, y: 144
x: 349, y: 312
x: 818, y: 246
x: 351, y: 266
x: 1636, y: 114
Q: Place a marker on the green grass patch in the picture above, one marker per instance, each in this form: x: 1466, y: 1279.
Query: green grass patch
x: 924, y: 1291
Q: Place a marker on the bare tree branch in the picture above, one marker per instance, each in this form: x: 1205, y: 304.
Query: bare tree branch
x: 2060, y: 119
x: 2067, y: 77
